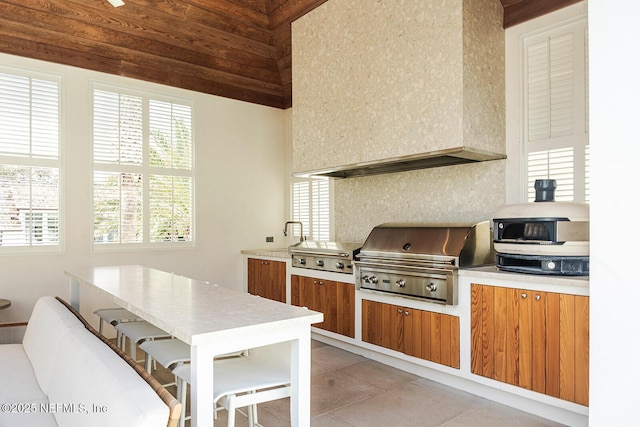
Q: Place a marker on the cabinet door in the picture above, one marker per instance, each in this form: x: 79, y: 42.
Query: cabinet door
x: 276, y: 282
x: 313, y: 294
x: 383, y: 324
x: 440, y: 338
x: 306, y: 293
x: 574, y: 348
x: 254, y: 276
x: 324, y: 300
x: 413, y: 334
x: 295, y: 290
x: 532, y: 352
x: 267, y: 278
x: 336, y: 300
x: 345, y: 302
x: 495, y: 334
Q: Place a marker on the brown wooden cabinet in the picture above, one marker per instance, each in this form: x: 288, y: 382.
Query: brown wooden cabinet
x: 336, y: 300
x: 424, y: 334
x: 267, y: 278
x: 532, y: 339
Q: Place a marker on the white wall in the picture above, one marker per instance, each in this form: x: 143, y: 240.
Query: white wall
x: 614, y: 37
x: 240, y: 192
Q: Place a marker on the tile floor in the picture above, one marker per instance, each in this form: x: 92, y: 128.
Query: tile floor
x: 350, y: 390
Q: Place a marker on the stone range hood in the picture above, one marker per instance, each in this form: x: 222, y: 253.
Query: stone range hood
x: 391, y: 86
x: 448, y: 157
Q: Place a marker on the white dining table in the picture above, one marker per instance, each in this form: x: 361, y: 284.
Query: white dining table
x: 213, y: 320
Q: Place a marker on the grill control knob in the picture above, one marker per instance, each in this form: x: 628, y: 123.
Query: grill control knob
x: 373, y: 279
x: 339, y: 265
x: 320, y: 263
x: 432, y: 287
x: 365, y: 279
x: 301, y: 261
x: 400, y: 283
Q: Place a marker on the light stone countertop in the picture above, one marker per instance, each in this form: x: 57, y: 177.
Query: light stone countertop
x: 268, y: 252
x: 578, y: 285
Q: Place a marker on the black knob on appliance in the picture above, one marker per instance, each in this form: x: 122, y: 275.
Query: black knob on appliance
x: 339, y: 265
x: 320, y: 263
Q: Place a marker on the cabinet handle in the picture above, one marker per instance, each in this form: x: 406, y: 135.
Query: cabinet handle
x: 400, y: 310
x: 537, y: 297
x: 318, y: 282
x: 524, y: 295
x: 406, y: 313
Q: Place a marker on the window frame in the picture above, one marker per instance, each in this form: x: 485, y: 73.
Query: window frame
x: 20, y: 160
x: 146, y: 170
x: 517, y: 190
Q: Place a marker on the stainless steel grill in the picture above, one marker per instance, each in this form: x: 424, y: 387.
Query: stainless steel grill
x: 422, y: 260
x: 336, y: 257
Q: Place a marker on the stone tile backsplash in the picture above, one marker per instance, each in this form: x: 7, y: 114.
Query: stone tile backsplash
x: 463, y: 193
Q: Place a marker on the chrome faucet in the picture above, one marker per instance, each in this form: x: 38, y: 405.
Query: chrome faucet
x: 286, y: 224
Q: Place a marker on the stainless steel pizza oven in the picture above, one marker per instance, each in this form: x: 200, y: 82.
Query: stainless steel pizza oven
x: 422, y: 260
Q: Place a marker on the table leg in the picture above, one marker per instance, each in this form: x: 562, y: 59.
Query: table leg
x: 74, y: 293
x: 201, y: 386
x: 301, y: 379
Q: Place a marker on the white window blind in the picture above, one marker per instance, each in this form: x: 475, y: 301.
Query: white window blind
x: 143, y: 175
x: 555, y: 110
x: 311, y: 206
x: 29, y: 161
x: 320, y: 209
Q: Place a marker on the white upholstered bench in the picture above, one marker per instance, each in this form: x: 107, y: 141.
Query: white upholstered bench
x: 63, y: 374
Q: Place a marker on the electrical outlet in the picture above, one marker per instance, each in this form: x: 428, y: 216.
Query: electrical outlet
x: 269, y: 239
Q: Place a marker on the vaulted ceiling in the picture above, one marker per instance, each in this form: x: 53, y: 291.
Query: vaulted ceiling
x: 239, y: 49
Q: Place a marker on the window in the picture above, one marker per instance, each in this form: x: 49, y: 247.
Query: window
x: 551, y: 62
x: 311, y: 206
x: 142, y: 169
x: 29, y: 162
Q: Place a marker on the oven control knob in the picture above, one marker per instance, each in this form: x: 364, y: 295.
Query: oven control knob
x: 373, y: 279
x: 301, y: 261
x: 320, y: 263
x: 400, y: 283
x: 339, y: 265
x: 432, y: 287
x: 365, y: 279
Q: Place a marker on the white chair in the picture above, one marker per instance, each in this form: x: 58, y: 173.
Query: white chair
x: 114, y: 316
x: 263, y: 375
x: 166, y: 352
x: 138, y: 332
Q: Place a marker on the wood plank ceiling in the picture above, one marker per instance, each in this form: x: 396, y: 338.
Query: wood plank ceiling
x: 239, y: 49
